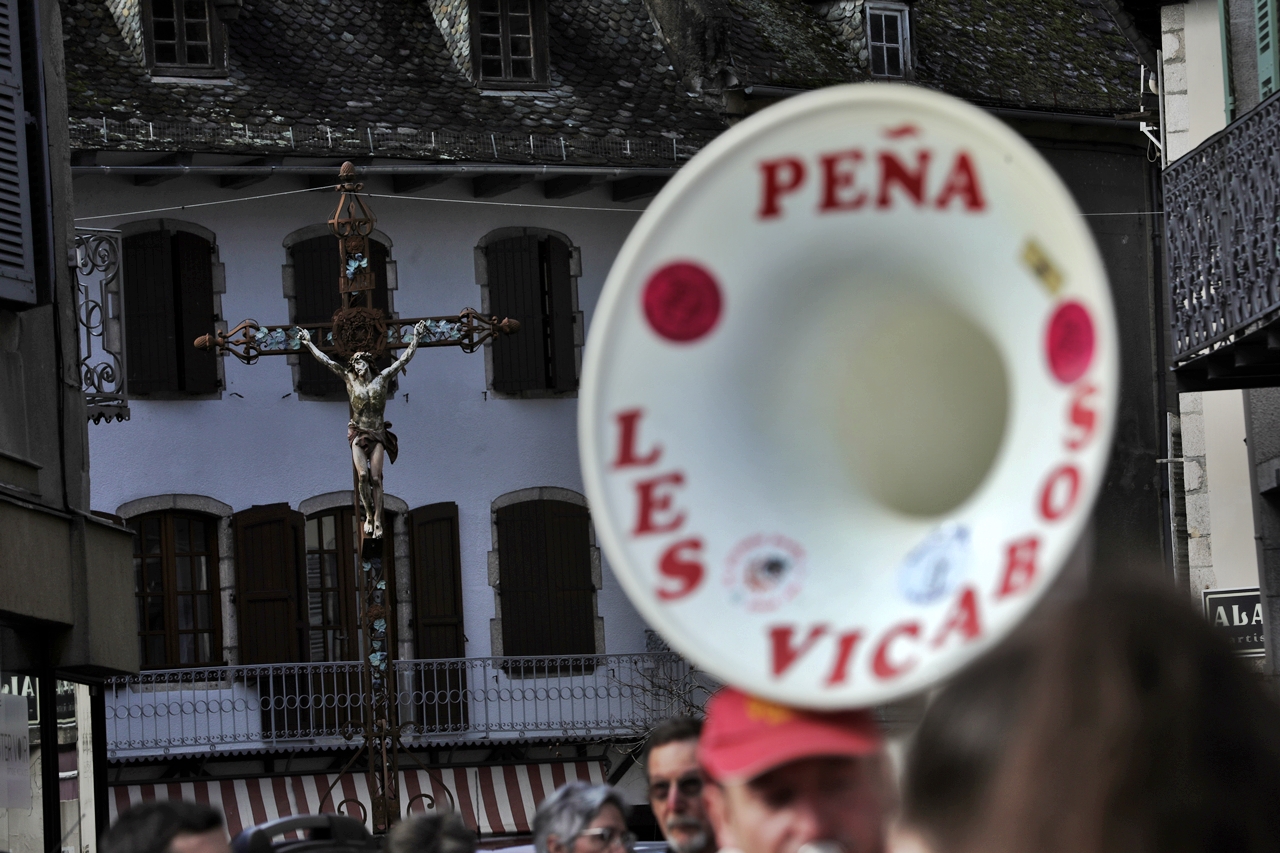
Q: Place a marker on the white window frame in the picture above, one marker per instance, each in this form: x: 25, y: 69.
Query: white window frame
x: 902, y: 13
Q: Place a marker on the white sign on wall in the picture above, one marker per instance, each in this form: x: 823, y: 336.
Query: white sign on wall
x: 15, y: 753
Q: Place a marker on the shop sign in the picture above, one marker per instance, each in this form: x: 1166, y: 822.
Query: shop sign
x: 1237, y: 613
x: 15, y: 753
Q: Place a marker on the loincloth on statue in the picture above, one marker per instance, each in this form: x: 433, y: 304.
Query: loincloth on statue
x: 367, y: 439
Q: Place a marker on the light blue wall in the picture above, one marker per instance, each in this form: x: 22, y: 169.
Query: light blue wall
x: 267, y: 446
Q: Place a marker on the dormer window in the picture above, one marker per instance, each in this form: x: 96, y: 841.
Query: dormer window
x: 185, y: 39
x: 509, y: 42
x: 888, y: 40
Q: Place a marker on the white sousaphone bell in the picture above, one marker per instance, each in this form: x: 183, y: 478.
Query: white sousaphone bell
x: 848, y: 395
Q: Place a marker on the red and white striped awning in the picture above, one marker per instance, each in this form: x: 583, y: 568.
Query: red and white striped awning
x: 495, y: 800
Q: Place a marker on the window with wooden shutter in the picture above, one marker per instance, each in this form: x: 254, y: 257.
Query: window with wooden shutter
x: 175, y: 561
x: 437, y: 617
x: 544, y: 573
x: 17, y: 263
x: 168, y: 288
x: 316, y: 298
x: 529, y: 280
x: 269, y: 550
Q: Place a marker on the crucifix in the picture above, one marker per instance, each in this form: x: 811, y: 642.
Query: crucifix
x: 359, y: 334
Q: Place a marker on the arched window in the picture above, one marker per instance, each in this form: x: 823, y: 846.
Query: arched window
x: 169, y: 301
x: 530, y: 275
x: 313, y: 262
x: 175, y: 561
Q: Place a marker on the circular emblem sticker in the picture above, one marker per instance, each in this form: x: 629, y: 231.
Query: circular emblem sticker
x: 682, y: 302
x: 765, y: 572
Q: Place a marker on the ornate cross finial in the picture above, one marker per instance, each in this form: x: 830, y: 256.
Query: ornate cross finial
x: 352, y: 223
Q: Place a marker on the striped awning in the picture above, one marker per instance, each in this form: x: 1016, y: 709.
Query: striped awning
x: 494, y: 800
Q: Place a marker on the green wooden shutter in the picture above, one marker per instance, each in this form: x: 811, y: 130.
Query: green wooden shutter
x: 316, y: 297
x: 572, y: 598
x: 1268, y: 56
x: 564, y: 369
x: 545, y: 579
x: 193, y: 287
x: 437, y: 582
x: 150, y: 342
x: 17, y: 264
x: 269, y: 554
x: 516, y: 291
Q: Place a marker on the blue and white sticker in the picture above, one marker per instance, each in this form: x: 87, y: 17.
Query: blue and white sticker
x: 935, y: 567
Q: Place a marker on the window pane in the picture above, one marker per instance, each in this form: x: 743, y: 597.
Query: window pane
x: 195, y: 10
x: 490, y: 67
x: 519, y: 25
x: 155, y: 650
x: 313, y: 534
x: 891, y: 29
x: 894, y: 56
x: 151, y: 535
x: 137, y: 573
x: 181, y: 536
x: 155, y: 576
x: 186, y: 613
x: 197, y: 55
x: 166, y: 53
x: 519, y: 7
x: 165, y: 31
x: 315, y: 616
x: 200, y: 572
x: 330, y: 577
x: 331, y: 610
x: 187, y: 648
x: 877, y: 59
x: 491, y: 46
x: 877, y: 29
x: 183, y: 565
x: 206, y: 647
x: 196, y: 33
x: 490, y: 25
x: 162, y: 8
x: 204, y: 612
x: 521, y: 46
x: 330, y: 536
x: 491, y: 6
x: 155, y: 613
x: 522, y: 69
x: 199, y: 543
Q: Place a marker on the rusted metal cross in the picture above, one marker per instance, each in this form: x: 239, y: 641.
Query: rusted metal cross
x: 359, y: 334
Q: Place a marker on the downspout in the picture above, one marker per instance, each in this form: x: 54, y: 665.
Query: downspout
x: 1228, y: 99
x: 1164, y: 137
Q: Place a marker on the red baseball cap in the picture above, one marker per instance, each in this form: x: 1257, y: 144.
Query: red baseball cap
x: 743, y: 736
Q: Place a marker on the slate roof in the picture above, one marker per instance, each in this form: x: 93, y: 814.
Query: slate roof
x: 365, y: 76
x: 379, y: 77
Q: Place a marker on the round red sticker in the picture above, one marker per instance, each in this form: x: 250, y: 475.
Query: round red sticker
x: 682, y: 302
x: 1070, y: 341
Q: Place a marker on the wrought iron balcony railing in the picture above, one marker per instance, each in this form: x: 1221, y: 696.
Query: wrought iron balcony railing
x: 237, y: 709
x: 1222, y: 206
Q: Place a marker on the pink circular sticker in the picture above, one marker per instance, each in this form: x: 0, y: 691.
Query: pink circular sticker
x: 1069, y: 343
x: 682, y: 302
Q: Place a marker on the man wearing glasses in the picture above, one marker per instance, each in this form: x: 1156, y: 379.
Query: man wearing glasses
x: 786, y: 780
x: 675, y: 786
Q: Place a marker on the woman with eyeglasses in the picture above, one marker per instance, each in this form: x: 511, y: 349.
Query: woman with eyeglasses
x: 582, y: 818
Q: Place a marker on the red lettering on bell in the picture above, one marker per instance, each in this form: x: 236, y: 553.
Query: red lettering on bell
x: 1019, y: 567
x: 1060, y: 493
x: 962, y: 183
x: 1084, y: 418
x: 894, y: 172
x: 681, y: 563
x: 963, y: 619
x: 781, y: 177
x: 785, y: 653
x: 628, y: 427
x: 846, y: 643
x: 839, y: 172
x: 652, y: 502
x: 886, y: 669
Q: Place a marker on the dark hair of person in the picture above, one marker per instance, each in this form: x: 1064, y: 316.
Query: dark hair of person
x: 671, y: 730
x: 150, y: 827
x: 436, y: 833
x: 1140, y: 732
x: 958, y: 746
